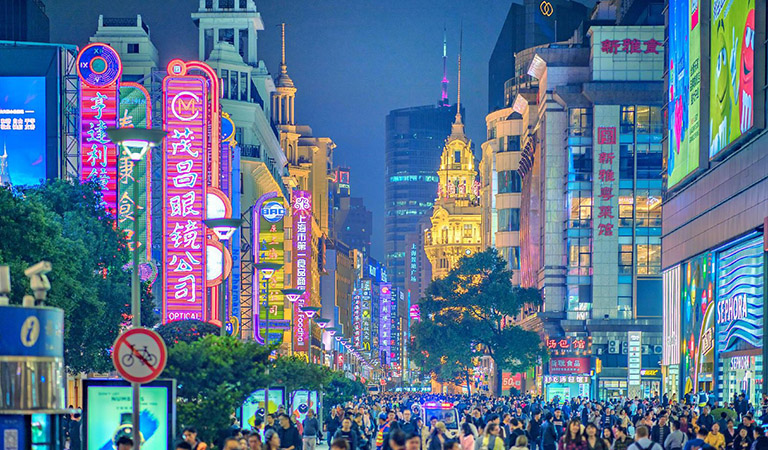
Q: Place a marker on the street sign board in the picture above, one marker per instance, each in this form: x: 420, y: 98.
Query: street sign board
x: 139, y: 355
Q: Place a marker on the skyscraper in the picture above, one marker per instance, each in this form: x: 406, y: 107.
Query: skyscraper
x: 24, y: 20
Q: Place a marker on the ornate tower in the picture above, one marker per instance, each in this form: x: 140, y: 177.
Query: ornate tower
x: 285, y: 94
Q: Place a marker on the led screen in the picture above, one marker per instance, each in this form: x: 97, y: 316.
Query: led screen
x: 108, y: 417
x: 22, y: 129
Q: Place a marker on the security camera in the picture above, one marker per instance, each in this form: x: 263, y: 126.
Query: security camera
x: 41, y: 268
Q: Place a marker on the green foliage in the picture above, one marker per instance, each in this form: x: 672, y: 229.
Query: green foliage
x: 214, y: 376
x: 66, y: 224
x: 186, y: 331
x: 466, y: 315
x: 340, y: 390
x: 294, y: 372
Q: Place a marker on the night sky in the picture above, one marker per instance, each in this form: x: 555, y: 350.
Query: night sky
x: 352, y: 62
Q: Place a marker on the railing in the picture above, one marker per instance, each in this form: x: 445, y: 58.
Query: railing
x: 250, y: 151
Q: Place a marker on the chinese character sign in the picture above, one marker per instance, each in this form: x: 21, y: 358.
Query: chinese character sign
x: 385, y: 321
x: 631, y: 53
x: 357, y: 318
x: 184, y: 182
x: 99, y: 69
x: 394, y: 320
x: 569, y: 345
x: 134, y: 111
x: 23, y: 129
x: 268, y: 231
x: 302, y: 271
x: 606, y: 182
x: 366, y: 315
x: 578, y: 365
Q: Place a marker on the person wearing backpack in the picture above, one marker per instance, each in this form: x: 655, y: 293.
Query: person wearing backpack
x: 491, y: 439
x: 643, y: 441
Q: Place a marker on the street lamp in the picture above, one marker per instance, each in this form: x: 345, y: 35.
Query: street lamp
x: 135, y: 142
x: 223, y: 228
x: 293, y: 296
x: 267, y: 270
x: 310, y: 312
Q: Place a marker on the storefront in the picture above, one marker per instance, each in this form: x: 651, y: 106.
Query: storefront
x: 698, y: 324
x: 739, y: 317
x: 566, y: 386
x: 650, y: 382
x: 612, y: 388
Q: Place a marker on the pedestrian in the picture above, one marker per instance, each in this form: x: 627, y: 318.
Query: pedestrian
x: 183, y: 445
x: 289, y: 435
x: 621, y: 440
x: 491, y: 439
x: 190, y: 435
x: 548, y: 434
x: 332, y: 424
x: 310, y: 431
x: 743, y: 440
x: 534, y: 430
x: 715, y: 438
x: 437, y: 437
x: 676, y: 439
x: 467, y: 437
x: 573, y: 439
x: 730, y: 434
x: 340, y: 444
x: 254, y: 441
x: 593, y: 438
x: 643, y: 441
x: 231, y: 443
x: 660, y: 431
x: 271, y: 440
x: 521, y: 443
x: 347, y: 433
x: 75, y: 433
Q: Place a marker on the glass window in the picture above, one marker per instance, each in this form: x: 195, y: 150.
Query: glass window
x: 512, y: 256
x: 226, y: 4
x: 509, y: 219
x: 579, y: 163
x: 579, y: 252
x: 626, y: 162
x: 580, y: 122
x: 513, y: 144
x: 627, y: 119
x: 208, y: 41
x: 224, y: 83
x: 509, y: 182
x: 625, y: 208
x: 133, y: 48
x: 457, y: 157
x: 648, y: 259
x: 649, y: 208
x: 243, y: 86
x: 233, y: 85
x: 227, y: 34
x: 242, y: 38
x: 580, y: 206
x: 643, y: 116
x: 243, y: 4
x: 208, y: 4
x: 467, y: 231
x: 625, y: 259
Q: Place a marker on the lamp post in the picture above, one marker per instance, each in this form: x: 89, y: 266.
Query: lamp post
x: 266, y: 269
x: 135, y: 142
x: 293, y: 296
x: 310, y: 312
x: 323, y: 324
x: 223, y: 228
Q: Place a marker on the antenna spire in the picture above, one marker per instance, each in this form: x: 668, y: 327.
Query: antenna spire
x: 444, y: 83
x: 458, y: 94
x: 282, y: 30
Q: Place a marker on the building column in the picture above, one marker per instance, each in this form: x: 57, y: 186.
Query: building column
x: 293, y: 106
x: 280, y: 110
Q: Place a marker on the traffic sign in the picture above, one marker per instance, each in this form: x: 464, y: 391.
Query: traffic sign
x: 139, y: 355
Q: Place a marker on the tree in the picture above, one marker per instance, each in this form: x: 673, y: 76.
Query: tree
x: 466, y: 315
x: 294, y: 373
x: 214, y: 375
x: 340, y: 390
x: 186, y: 331
x: 66, y: 224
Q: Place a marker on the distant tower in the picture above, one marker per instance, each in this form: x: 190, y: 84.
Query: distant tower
x: 285, y: 96
x: 5, y: 176
x: 444, y: 83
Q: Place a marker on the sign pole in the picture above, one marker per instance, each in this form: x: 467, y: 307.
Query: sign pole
x: 135, y: 308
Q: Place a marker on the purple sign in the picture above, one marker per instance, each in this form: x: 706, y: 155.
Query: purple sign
x: 385, y: 321
x: 302, y: 271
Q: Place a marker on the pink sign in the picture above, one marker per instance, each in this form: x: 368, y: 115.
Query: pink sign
x: 302, y: 271
x: 184, y: 182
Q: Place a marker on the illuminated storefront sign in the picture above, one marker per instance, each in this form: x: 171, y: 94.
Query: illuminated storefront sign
x: 269, y: 233
x: 629, y: 45
x: 731, y: 72
x: 578, y: 365
x: 569, y: 345
x: 365, y: 315
x: 22, y: 128
x: 135, y: 111
x: 627, y: 53
x: 684, y: 89
x: 99, y: 69
x: 394, y: 331
x: 357, y: 318
x: 184, y: 197
x: 415, y: 313
x: 739, y: 311
x: 697, y: 300
x: 634, y: 357
x: 606, y: 141
x: 385, y: 323
x: 302, y: 259
x: 671, y: 316
x: 580, y: 379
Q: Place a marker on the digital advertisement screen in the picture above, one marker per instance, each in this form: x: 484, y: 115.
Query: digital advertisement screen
x: 108, y: 417
x: 302, y: 402
x: 253, y: 406
x: 684, y: 89
x: 732, y: 78
x: 22, y: 129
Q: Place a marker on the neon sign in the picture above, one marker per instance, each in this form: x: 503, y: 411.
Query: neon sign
x: 184, y: 196
x: 99, y: 69
x: 366, y: 315
x: 357, y: 318
x: 269, y: 234
x: 606, y: 177
x: 385, y: 321
x: 302, y: 272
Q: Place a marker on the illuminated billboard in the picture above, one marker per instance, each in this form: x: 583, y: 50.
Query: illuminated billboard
x: 302, y: 270
x: 385, y: 321
x: 99, y: 69
x: 731, y: 78
x: 269, y: 225
x: 135, y: 110
x: 253, y: 406
x: 22, y: 130
x: 698, y: 328
x: 357, y: 318
x: 684, y: 89
x: 366, y: 315
x: 184, y: 197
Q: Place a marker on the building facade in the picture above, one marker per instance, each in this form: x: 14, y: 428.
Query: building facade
x: 131, y: 39
x: 24, y: 20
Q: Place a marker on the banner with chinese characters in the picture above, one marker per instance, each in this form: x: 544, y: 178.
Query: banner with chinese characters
x: 569, y: 345
x: 99, y: 69
x: 184, y: 197
x: 302, y: 270
x: 580, y: 379
x: 575, y: 365
x: 395, y: 341
x: 366, y: 320
x: 268, y: 229
x: 385, y: 321
x: 627, y: 53
x: 357, y: 318
x: 135, y: 111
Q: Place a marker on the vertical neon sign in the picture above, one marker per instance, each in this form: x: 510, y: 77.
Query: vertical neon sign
x: 184, y: 194
x: 302, y: 272
x: 268, y: 231
x: 135, y: 111
x: 99, y: 69
x: 385, y: 322
x: 357, y: 318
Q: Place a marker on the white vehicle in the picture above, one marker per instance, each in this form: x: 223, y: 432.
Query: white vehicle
x: 444, y: 412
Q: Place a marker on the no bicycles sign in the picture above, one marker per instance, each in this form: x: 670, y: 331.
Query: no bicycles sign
x: 139, y: 355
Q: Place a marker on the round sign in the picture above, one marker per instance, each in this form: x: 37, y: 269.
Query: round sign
x: 233, y: 326
x: 273, y: 212
x: 139, y: 355
x: 99, y: 65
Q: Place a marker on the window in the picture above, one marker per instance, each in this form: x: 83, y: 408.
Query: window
x: 242, y: 38
x: 580, y: 162
x: 649, y: 208
x: 627, y: 119
x: 208, y: 41
x: 580, y: 122
x: 625, y: 258
x: 224, y: 83
x: 579, y: 255
x: 243, y: 4
x: 509, y: 219
x: 243, y: 86
x: 226, y: 4
x: 649, y: 256
x: 625, y: 208
x: 513, y: 144
x: 580, y: 206
x: 233, y: 85
x: 626, y: 162
x: 509, y: 182
x: 512, y: 256
x: 457, y: 157
x: 133, y: 48
x: 467, y: 234
x: 208, y: 4
x: 227, y: 35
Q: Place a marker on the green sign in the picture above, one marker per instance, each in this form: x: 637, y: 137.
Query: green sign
x: 134, y: 111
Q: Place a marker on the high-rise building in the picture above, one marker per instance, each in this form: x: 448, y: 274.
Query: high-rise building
x: 24, y: 20
x: 591, y: 201
x: 130, y: 38
x: 531, y: 23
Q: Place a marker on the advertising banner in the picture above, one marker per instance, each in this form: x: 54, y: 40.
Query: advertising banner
x: 385, y: 322
x: 184, y: 197
x: 684, y: 89
x: 302, y: 401
x: 253, y: 406
x: 511, y: 381
x: 395, y: 340
x: 108, y: 414
x: 302, y: 270
x: 366, y: 322
x: 569, y: 365
x: 135, y: 111
x: 22, y: 130
x: 99, y: 69
x: 269, y: 231
x: 697, y: 300
x: 731, y: 72
x: 357, y: 318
